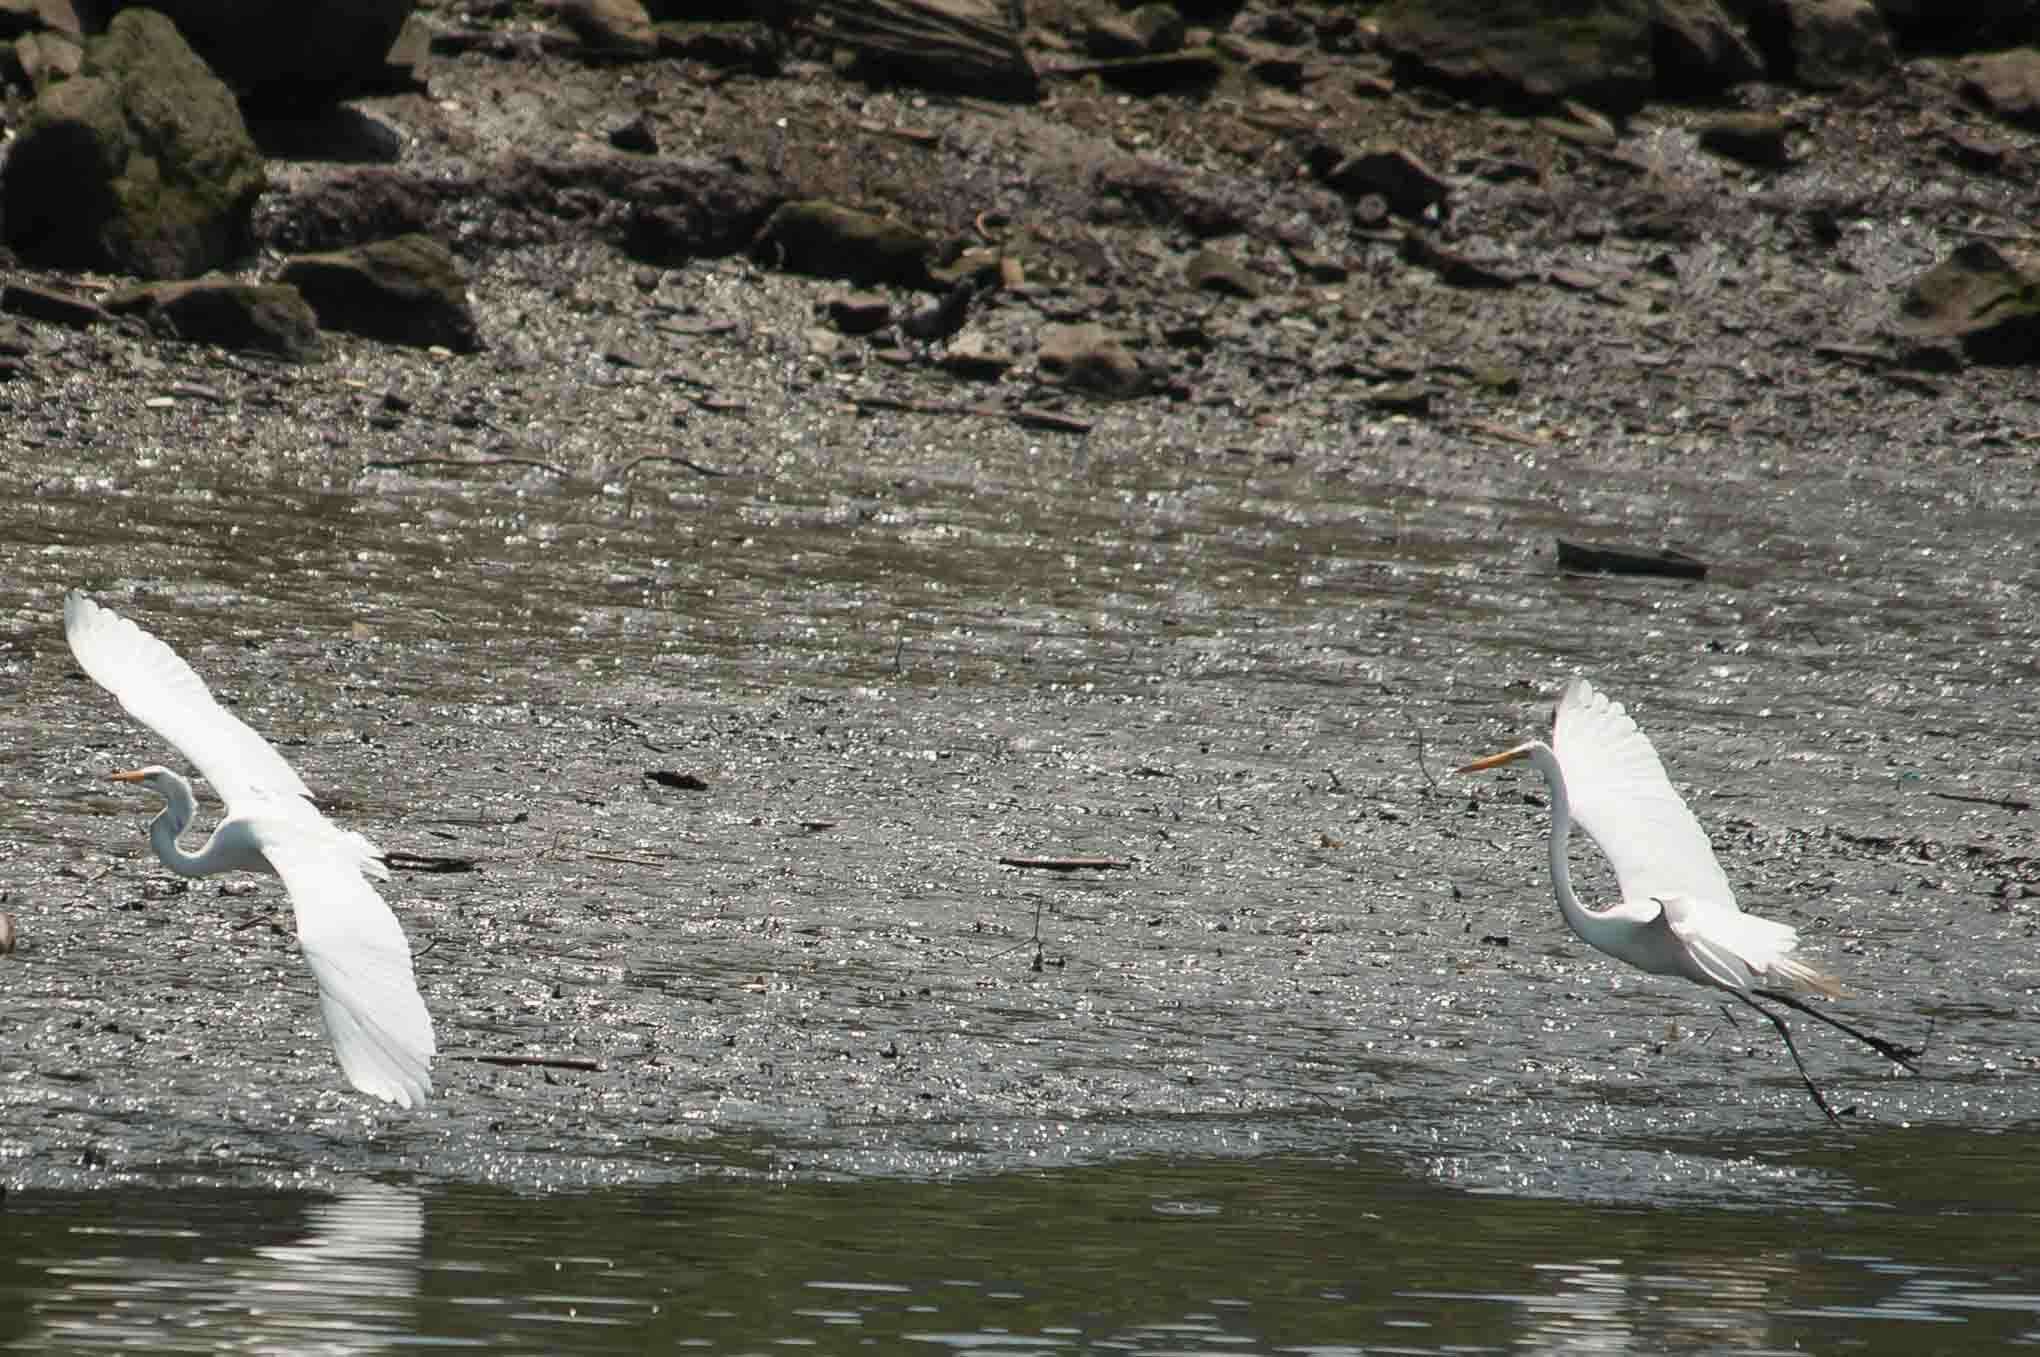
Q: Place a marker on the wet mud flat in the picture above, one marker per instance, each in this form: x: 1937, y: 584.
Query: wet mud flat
x: 1214, y: 673
x: 1232, y: 644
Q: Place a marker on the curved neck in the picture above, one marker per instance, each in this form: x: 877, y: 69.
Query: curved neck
x: 177, y: 811
x: 1578, y: 917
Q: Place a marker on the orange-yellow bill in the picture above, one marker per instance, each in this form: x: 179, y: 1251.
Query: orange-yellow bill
x: 1492, y: 761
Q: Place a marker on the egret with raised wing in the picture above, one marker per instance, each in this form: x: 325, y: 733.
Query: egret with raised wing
x: 368, y: 995
x: 1677, y: 915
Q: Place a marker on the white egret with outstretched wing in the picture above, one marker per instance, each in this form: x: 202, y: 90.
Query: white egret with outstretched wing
x: 1677, y: 915
x: 357, y: 950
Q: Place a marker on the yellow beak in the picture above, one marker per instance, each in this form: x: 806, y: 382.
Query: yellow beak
x: 1491, y: 761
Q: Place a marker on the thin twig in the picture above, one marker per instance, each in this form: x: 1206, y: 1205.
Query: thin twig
x: 492, y: 460
x: 1423, y: 766
x: 1068, y: 864
x: 626, y: 861
x: 675, y: 459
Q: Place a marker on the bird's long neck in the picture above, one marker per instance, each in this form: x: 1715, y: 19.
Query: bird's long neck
x: 179, y: 807
x: 1583, y: 921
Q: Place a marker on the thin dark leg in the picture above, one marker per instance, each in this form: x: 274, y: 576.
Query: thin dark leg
x: 1890, y: 1050
x: 1793, y: 1051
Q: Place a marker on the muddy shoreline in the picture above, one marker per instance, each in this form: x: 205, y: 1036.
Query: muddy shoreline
x: 1204, y: 639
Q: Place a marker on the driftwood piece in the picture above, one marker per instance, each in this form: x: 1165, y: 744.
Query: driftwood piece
x: 1068, y: 864
x: 550, y: 1062
x: 966, y: 46
x: 2001, y: 802
x: 401, y: 861
x: 1609, y: 560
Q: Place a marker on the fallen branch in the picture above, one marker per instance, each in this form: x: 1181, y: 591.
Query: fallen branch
x: 550, y: 1062
x: 1068, y: 864
x: 403, y: 463
x: 2002, y: 802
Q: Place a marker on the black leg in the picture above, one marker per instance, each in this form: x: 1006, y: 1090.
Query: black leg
x: 1793, y: 1051
x: 1890, y: 1050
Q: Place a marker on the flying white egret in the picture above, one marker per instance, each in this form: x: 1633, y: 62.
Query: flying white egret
x: 1677, y: 915
x: 367, y: 994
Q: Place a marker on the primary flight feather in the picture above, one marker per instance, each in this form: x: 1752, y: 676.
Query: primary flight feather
x: 368, y: 995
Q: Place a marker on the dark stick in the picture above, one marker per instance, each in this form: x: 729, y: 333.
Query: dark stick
x: 550, y: 1062
x: 1890, y: 1050
x: 1792, y: 1050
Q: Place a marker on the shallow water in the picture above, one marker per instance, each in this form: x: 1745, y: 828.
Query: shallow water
x: 1280, y: 1255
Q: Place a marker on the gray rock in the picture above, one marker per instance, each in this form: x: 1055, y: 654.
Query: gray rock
x: 1404, y: 182
x: 1982, y: 299
x: 139, y: 164
x: 1753, y: 138
x: 49, y: 304
x: 1150, y: 30
x: 47, y: 57
x: 1833, y: 43
x: 969, y: 46
x: 638, y: 136
x: 257, y: 317
x: 828, y: 241
x: 405, y: 291
x: 858, y: 313
x: 1089, y: 358
x: 754, y: 47
x: 2007, y: 84
x: 19, y: 17
x: 974, y: 359
x: 1160, y: 28
x: 1697, y: 49
x: 1524, y: 55
x: 612, y: 28
x: 1215, y: 271
x: 291, y: 56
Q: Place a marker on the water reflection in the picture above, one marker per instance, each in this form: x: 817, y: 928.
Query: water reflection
x: 177, y: 1274
x: 1264, y: 1256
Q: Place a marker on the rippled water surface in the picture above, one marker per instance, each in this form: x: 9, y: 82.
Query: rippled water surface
x: 1283, y: 1255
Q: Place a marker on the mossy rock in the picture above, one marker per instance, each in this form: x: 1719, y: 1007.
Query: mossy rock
x: 408, y: 290
x: 830, y: 241
x: 139, y: 164
x: 1527, y: 54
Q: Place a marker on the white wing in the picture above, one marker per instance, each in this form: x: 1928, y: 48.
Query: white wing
x: 357, y: 951
x: 162, y: 692
x: 356, y: 948
x: 1621, y: 797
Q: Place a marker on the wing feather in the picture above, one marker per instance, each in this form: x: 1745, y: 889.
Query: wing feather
x: 165, y: 694
x: 1622, y: 798
x: 368, y: 994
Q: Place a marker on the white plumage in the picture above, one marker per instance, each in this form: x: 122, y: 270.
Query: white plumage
x: 368, y: 996
x: 1677, y: 915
